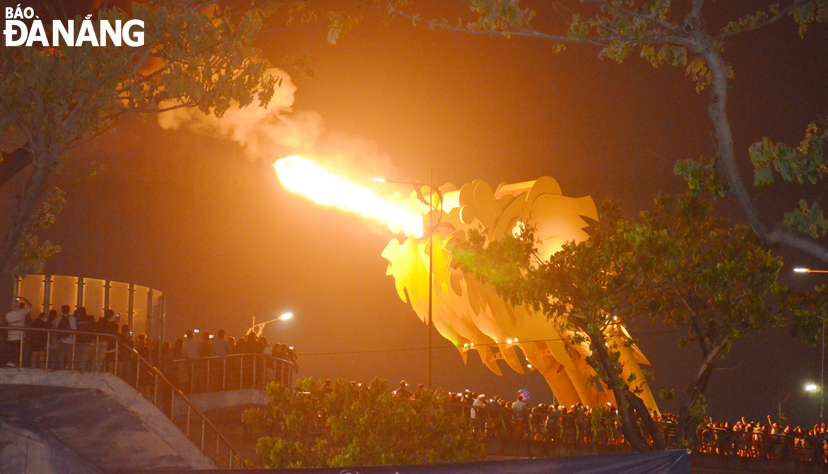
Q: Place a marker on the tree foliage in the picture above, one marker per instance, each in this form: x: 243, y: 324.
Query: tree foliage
x: 51, y: 99
x: 675, y: 264
x: 345, y: 424
x: 689, y: 35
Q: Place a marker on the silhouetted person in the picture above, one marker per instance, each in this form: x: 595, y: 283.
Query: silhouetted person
x: 14, y: 338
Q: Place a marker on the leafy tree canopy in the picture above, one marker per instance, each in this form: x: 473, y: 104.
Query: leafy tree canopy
x: 344, y: 424
x: 195, y: 54
x: 676, y: 264
x: 690, y: 35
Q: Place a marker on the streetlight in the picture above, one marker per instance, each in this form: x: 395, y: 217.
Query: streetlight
x: 808, y: 270
x: 431, y: 226
x: 257, y: 328
x: 812, y: 387
x: 822, y: 340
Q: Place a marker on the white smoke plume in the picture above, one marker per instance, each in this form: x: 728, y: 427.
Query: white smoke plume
x: 278, y: 131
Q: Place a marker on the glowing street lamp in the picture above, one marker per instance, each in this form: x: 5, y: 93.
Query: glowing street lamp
x: 812, y: 388
x: 431, y: 226
x: 257, y: 328
x: 808, y: 270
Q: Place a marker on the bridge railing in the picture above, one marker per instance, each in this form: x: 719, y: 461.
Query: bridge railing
x: 545, y: 428
x: 233, y: 372
x: 798, y: 447
x: 54, y: 349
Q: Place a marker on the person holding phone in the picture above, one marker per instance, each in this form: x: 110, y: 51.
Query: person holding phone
x: 14, y: 338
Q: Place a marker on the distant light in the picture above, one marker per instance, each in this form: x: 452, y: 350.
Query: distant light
x: 379, y: 180
x: 471, y: 345
x: 812, y: 387
x: 801, y: 270
x: 286, y: 316
x: 508, y: 341
x: 529, y: 365
x: 516, y: 341
x: 195, y: 331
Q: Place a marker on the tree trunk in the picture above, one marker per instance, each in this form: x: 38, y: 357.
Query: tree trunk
x: 688, y: 420
x: 25, y: 210
x: 630, y: 406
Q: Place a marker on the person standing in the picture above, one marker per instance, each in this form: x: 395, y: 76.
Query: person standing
x: 106, y: 345
x: 86, y: 341
x: 190, y: 347
x: 519, y: 408
x: 201, y: 367
x: 219, y: 348
x: 66, y: 354
x: 521, y: 414
x: 476, y: 412
x: 16, y: 318
x: 37, y: 341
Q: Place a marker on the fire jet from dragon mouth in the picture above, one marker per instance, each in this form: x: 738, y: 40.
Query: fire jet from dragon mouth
x: 466, y: 311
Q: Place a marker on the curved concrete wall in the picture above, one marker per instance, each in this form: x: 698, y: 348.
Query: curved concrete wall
x: 26, y: 452
x: 96, y: 416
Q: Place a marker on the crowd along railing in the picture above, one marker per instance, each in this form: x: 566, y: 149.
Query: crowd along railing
x: 498, y: 422
x: 798, y: 447
x: 95, y: 352
x: 233, y: 372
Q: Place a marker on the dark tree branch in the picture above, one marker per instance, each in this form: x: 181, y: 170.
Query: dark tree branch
x: 627, y: 12
x: 781, y: 14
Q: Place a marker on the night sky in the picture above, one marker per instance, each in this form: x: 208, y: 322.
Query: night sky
x: 206, y: 221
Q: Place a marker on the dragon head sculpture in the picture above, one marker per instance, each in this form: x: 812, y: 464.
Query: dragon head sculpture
x: 472, y: 316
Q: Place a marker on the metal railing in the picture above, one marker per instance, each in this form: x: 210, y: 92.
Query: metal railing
x: 54, y: 349
x: 540, y: 428
x: 498, y: 422
x: 233, y: 372
x: 798, y: 447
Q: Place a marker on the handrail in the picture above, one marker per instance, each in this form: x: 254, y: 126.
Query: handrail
x: 233, y: 457
x: 221, y: 373
x: 496, y: 421
x: 750, y: 444
x: 68, y: 355
x: 127, y: 364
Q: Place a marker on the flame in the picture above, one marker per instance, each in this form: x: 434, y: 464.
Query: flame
x: 305, y: 177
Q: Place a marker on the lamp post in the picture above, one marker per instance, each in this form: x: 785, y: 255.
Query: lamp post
x: 822, y: 341
x: 808, y: 270
x: 431, y: 227
x: 257, y: 328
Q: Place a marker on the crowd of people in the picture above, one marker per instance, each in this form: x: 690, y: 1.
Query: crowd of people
x: 543, y: 426
x: 517, y: 421
x: 88, y: 344
x: 772, y: 441
x: 186, y: 362
x: 79, y: 341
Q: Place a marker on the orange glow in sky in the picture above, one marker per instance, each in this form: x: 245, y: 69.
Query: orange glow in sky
x: 305, y: 177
